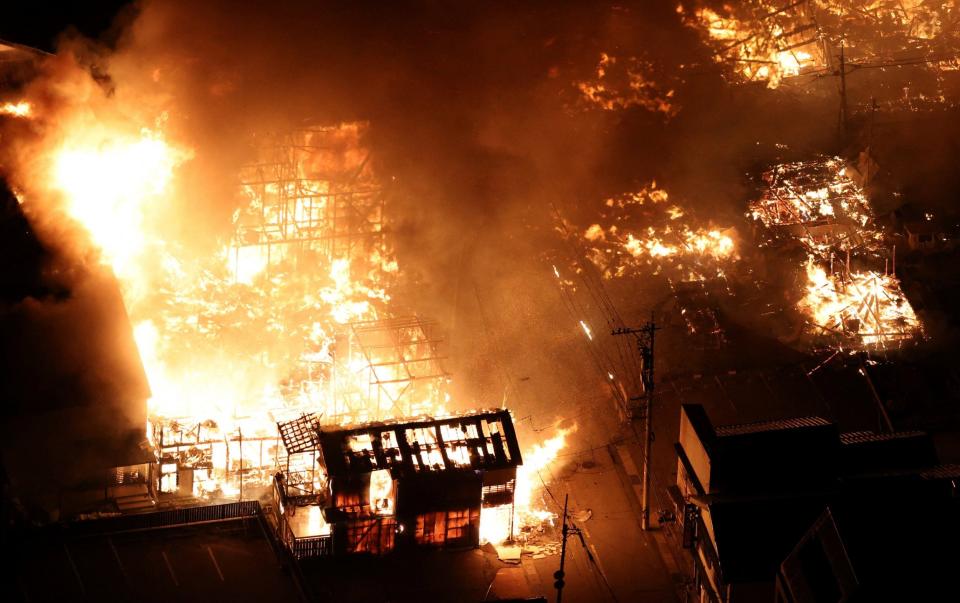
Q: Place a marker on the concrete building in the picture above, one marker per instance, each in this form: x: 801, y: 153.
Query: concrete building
x: 746, y: 493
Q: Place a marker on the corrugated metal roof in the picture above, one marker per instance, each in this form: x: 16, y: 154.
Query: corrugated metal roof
x: 781, y: 425
x: 942, y: 472
x: 860, y: 437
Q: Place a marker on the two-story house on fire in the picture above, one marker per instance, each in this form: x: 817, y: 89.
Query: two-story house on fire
x: 377, y: 487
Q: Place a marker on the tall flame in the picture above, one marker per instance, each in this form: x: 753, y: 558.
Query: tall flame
x: 529, y: 507
x: 109, y: 180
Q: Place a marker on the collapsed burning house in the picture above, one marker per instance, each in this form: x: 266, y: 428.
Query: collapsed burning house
x: 816, y: 203
x: 309, y: 262
x: 386, y: 485
x: 773, y: 42
x: 849, y: 299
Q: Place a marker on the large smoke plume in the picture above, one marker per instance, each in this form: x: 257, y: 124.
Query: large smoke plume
x: 476, y: 119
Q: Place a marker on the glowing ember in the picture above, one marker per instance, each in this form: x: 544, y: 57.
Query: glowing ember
x: 586, y: 330
x: 18, y: 109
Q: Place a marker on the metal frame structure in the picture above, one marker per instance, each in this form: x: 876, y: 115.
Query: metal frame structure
x: 816, y: 202
x: 297, y: 205
x: 403, y: 358
x: 190, y: 447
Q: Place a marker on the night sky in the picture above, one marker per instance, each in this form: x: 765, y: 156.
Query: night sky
x: 39, y: 23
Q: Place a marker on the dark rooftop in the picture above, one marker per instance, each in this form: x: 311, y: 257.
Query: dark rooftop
x: 231, y: 560
x: 759, y: 426
x: 482, y: 440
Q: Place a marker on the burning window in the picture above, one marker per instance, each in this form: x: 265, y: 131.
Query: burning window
x: 446, y: 527
x: 375, y: 535
x: 381, y: 492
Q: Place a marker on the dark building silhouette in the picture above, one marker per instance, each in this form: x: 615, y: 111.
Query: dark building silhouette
x: 747, y: 493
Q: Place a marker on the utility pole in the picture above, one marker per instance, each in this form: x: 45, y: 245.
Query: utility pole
x: 567, y: 530
x: 559, y: 574
x: 645, y: 340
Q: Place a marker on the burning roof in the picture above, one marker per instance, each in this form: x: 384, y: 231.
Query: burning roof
x: 772, y: 41
x: 483, y: 440
x: 817, y: 202
x: 867, y: 308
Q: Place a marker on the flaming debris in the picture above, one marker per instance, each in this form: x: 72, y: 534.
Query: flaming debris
x: 817, y: 202
x: 531, y: 479
x: 821, y: 205
x: 769, y: 41
x: 865, y: 306
x: 649, y: 233
x: 763, y: 42
x: 624, y: 82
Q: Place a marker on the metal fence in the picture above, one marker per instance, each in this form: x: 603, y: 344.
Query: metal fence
x: 168, y: 518
x: 308, y: 548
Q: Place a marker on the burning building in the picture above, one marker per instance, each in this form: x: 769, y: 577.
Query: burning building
x: 379, y: 486
x: 849, y: 298
x: 309, y: 261
x: 817, y: 203
x: 775, y: 42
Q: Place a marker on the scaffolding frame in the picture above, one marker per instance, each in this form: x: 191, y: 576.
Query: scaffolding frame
x: 298, y: 478
x: 190, y: 445
x: 297, y: 206
x: 403, y: 356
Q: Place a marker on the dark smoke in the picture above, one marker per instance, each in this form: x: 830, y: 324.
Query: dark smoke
x: 477, y: 122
